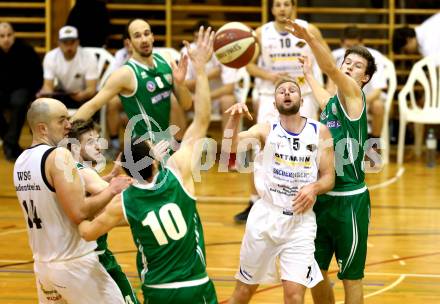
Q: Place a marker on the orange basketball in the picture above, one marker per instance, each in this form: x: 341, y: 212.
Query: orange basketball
x: 235, y: 44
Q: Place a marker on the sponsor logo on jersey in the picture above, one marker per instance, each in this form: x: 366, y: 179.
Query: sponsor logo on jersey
x: 333, y: 124
x: 323, y: 115
x: 283, y: 173
x: 300, y: 44
x: 293, y: 160
x: 161, y: 96
x: 144, y: 75
x: 311, y: 147
x: 151, y: 86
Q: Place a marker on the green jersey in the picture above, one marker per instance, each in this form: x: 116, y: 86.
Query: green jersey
x: 349, y: 136
x: 151, y: 98
x: 102, y: 240
x: 166, y: 229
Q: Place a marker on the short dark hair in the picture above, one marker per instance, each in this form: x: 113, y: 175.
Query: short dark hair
x: 364, y: 53
x: 126, y: 33
x: 351, y: 32
x: 80, y: 126
x: 401, y: 36
x: 271, y: 2
x: 139, y: 149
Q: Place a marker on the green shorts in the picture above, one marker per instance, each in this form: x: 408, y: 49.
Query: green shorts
x: 200, y: 294
x: 110, y: 264
x: 343, y: 230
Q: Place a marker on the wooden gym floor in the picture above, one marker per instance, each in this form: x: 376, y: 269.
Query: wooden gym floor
x: 403, y: 263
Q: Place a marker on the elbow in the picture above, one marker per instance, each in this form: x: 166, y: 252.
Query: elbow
x: 85, y: 232
x: 80, y: 216
x: 331, y: 181
x: 330, y: 69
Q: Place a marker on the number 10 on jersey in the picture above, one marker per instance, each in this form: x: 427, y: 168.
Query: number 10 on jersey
x: 172, y: 221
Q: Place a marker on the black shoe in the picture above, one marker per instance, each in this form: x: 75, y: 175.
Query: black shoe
x: 241, y: 218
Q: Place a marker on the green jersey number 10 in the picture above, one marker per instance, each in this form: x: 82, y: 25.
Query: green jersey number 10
x: 172, y: 221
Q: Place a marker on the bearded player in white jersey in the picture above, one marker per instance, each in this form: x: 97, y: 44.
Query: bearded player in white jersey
x: 293, y: 167
x: 279, y: 53
x: 51, y: 195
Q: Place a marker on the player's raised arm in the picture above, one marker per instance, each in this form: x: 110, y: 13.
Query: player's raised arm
x: 349, y: 89
x: 321, y: 95
x: 199, y: 55
x: 257, y: 131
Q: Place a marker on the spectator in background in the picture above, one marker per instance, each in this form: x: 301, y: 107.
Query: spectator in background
x: 75, y: 71
x: 21, y: 76
x: 423, y: 39
x: 373, y: 90
x: 92, y: 20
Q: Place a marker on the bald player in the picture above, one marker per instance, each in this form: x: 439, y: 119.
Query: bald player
x: 144, y: 84
x: 51, y: 195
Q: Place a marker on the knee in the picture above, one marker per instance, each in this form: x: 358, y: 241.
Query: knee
x: 243, y: 293
x: 294, y: 297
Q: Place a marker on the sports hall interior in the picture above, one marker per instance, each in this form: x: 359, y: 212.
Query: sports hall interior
x: 403, y: 260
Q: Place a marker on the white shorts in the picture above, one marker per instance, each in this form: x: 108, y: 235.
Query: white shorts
x: 82, y: 280
x: 267, y: 111
x: 273, y: 236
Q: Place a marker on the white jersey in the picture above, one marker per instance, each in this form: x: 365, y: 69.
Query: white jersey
x: 52, y: 235
x: 287, y: 163
x: 280, y: 53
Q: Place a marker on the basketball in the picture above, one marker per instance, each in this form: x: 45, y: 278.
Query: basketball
x: 235, y: 45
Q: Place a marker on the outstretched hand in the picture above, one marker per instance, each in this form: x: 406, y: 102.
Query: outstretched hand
x: 239, y: 109
x: 306, y: 63
x: 202, y: 52
x: 297, y: 30
x: 179, y: 71
x: 160, y: 150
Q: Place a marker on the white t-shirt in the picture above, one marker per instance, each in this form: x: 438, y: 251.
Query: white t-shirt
x: 428, y: 38
x: 378, y: 81
x: 71, y: 75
